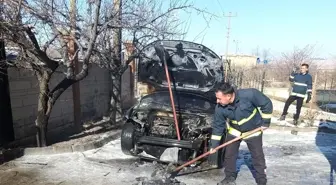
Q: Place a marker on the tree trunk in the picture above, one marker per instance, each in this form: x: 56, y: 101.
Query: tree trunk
x: 331, y: 84
x: 263, y: 81
x: 43, y: 111
x: 311, y: 113
x: 115, y: 102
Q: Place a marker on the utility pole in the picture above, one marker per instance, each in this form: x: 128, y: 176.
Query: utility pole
x: 256, y: 52
x: 72, y: 50
x: 226, y: 65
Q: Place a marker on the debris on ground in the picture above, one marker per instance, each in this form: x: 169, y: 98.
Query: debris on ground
x: 161, y: 176
x: 288, y: 150
x: 170, y: 154
x: 146, y: 181
x: 294, y: 132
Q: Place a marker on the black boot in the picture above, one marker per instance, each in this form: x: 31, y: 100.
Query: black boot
x: 282, y: 118
x: 295, y: 122
x: 261, y: 181
x: 229, y: 180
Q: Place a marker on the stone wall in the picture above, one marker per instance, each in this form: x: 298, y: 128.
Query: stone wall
x: 127, y: 89
x: 94, y: 95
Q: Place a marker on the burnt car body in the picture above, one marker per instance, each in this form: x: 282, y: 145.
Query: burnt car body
x: 194, y: 72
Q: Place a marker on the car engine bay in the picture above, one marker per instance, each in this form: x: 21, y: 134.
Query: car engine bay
x: 161, y: 124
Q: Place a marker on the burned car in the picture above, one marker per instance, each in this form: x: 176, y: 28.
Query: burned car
x: 194, y: 71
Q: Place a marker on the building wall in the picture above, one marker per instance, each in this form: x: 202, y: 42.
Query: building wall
x: 242, y: 60
x: 127, y: 89
x: 94, y: 96
x: 322, y: 95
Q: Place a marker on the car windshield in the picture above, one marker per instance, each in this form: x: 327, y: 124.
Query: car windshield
x: 186, y: 102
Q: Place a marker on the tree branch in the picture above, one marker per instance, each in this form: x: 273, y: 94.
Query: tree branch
x: 39, y: 53
x: 93, y: 38
x: 94, y: 34
x: 59, y: 89
x: 32, y: 37
x: 47, y: 44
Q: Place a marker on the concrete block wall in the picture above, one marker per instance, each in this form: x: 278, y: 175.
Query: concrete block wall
x: 94, y: 94
x: 277, y: 92
x: 24, y: 99
x: 126, y: 89
x: 322, y: 95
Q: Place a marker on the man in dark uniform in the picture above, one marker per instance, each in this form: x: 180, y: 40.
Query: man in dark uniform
x: 247, y: 109
x: 302, y: 87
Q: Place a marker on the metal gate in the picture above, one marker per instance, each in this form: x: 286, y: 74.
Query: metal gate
x: 6, y: 120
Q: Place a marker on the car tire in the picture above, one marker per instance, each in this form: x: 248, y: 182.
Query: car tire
x: 127, y: 139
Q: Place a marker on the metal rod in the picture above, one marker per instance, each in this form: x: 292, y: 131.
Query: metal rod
x: 172, y: 98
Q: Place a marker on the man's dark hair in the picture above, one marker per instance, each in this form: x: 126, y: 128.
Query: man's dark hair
x: 304, y: 64
x: 225, y: 88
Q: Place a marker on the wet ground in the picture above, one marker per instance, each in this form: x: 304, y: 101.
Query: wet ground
x: 306, y: 158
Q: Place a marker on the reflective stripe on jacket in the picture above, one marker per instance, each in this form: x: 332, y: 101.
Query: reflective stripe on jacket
x: 302, y: 84
x: 250, y: 109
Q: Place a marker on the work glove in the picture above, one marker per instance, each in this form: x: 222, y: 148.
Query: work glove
x: 308, y: 98
x: 212, y: 151
x: 265, y: 122
x: 214, y: 143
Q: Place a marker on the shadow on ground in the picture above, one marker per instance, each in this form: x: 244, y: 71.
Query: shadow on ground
x: 244, y: 158
x: 15, y: 149
x: 10, y: 154
x: 89, y: 130
x: 326, y: 142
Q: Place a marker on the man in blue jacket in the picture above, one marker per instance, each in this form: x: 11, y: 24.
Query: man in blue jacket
x: 302, y: 87
x: 247, y: 109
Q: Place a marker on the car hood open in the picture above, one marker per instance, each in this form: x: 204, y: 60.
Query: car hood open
x: 192, y: 66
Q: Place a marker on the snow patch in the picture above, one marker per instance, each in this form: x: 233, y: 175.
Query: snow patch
x: 109, y: 151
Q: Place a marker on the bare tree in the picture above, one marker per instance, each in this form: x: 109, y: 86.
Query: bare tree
x: 141, y: 22
x: 284, y: 64
x: 297, y: 56
x: 42, y: 27
x: 38, y: 28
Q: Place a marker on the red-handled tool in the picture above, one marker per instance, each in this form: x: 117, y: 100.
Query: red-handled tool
x: 176, y: 170
x: 160, y: 51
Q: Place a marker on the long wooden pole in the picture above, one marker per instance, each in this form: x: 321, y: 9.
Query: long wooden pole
x: 72, y: 50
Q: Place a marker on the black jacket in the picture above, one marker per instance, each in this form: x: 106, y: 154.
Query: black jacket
x: 302, y: 84
x: 250, y: 109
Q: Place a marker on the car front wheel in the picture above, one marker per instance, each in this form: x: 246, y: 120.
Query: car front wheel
x: 128, y: 138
